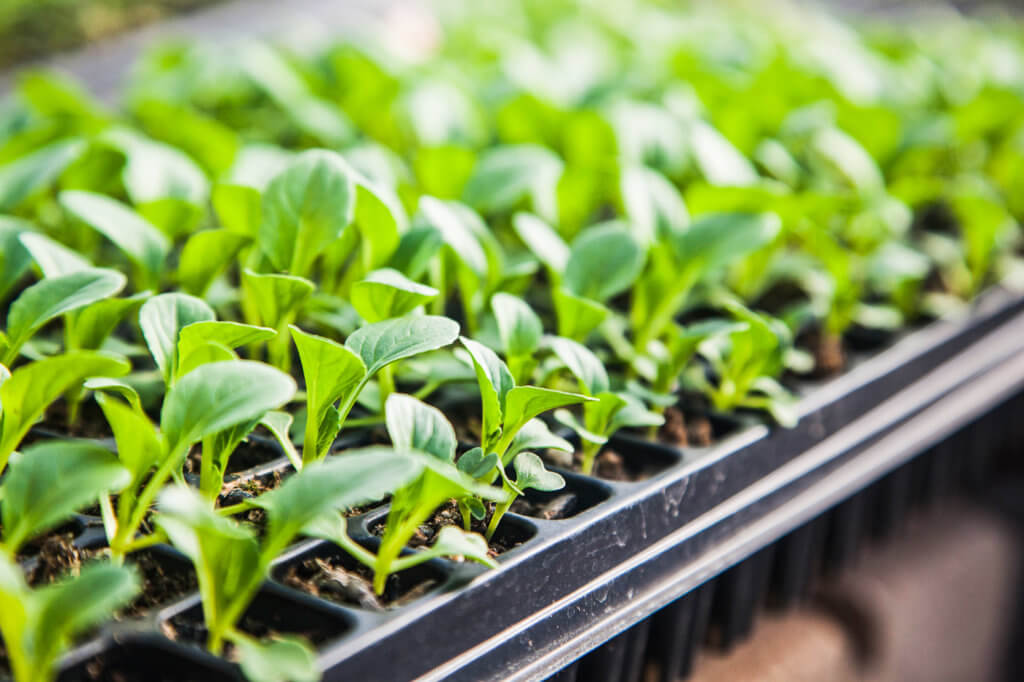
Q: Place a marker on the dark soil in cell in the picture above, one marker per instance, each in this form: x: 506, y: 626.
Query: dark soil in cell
x: 610, y: 465
x: 449, y: 515
x: 685, y: 430
x: 90, y: 422
x: 248, y: 454
x: 57, y: 556
x: 163, y: 583
x: 349, y: 582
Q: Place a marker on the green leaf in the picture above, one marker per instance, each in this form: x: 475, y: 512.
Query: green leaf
x: 523, y: 403
x: 535, y: 435
x: 577, y: 315
x: 475, y: 463
x: 284, y: 659
x: 542, y: 240
x: 603, y: 262
x: 205, y: 255
x: 239, y: 209
x: 530, y: 473
x: 53, y: 258
x: 519, y: 327
x: 23, y: 178
x: 54, y: 296
x: 276, y: 296
x: 382, y: 343
x: 15, y: 258
x: 144, y: 244
x: 570, y: 421
x: 653, y: 205
x: 450, y: 223
x: 494, y: 381
x: 331, y: 371
x: 719, y: 161
x: 50, y: 481
x: 279, y: 423
x: 504, y: 177
x: 581, y: 361
x: 387, y: 293
x: 31, y: 388
x: 715, y: 240
x: 210, y: 142
x: 381, y: 220
x: 216, y: 396
x: 154, y: 170
x: 305, y: 208
x: 415, y: 251
x: 633, y: 413
x: 89, y: 327
x: 162, y: 318
x: 138, y: 443
x: 96, y: 592
x: 414, y: 425
x: 452, y: 541
x: 227, y: 334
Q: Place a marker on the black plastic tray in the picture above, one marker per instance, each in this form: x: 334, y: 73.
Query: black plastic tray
x: 650, y: 547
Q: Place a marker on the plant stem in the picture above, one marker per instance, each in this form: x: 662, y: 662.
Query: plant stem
x: 589, y: 451
x: 499, y: 511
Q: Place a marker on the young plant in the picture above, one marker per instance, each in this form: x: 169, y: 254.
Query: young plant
x: 211, y: 399
x: 608, y: 412
x: 520, y: 331
x: 50, y: 298
x: 745, y: 360
x: 26, y: 392
x: 231, y: 562
x: 336, y: 374
x: 38, y: 625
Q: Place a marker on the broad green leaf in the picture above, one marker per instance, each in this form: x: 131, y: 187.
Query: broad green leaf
x: 452, y: 541
x: 581, y: 361
x: 381, y: 220
x: 603, y: 261
x: 494, y: 381
x: 715, y: 240
x: 577, y: 315
x: 849, y: 158
x: 523, y: 403
x: 53, y: 258
x: 653, y: 205
x: 162, y: 318
x: 276, y: 296
x: 382, y: 343
x: 216, y: 396
x: 305, y: 208
x: 89, y: 327
x: 31, y: 388
x: 144, y: 244
x: 475, y: 463
x: 138, y: 444
x: 15, y: 258
x: 239, y: 209
x: 279, y: 423
x: 205, y: 255
x: 154, y: 170
x: 212, y: 143
x: 535, y: 435
x: 414, y: 425
x: 54, y: 296
x: 387, y: 293
x: 719, y: 161
x: 50, y: 481
x: 228, y: 334
x: 331, y: 371
x: 115, y: 387
x: 504, y: 177
x: 570, y: 421
x: 530, y: 473
x: 282, y: 659
x: 24, y: 177
x: 416, y: 249
x: 203, y: 353
x: 542, y: 240
x: 633, y: 413
x: 96, y: 592
x: 443, y: 216
x: 519, y: 327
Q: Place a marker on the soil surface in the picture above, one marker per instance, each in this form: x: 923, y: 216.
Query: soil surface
x: 163, y: 582
x: 828, y: 352
x: 344, y: 581
x: 449, y: 515
x: 561, y: 506
x: 609, y: 465
x: 685, y: 430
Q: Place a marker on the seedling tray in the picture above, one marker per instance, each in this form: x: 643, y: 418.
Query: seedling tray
x: 635, y: 548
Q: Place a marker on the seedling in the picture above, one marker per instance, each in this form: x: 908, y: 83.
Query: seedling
x: 231, y: 562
